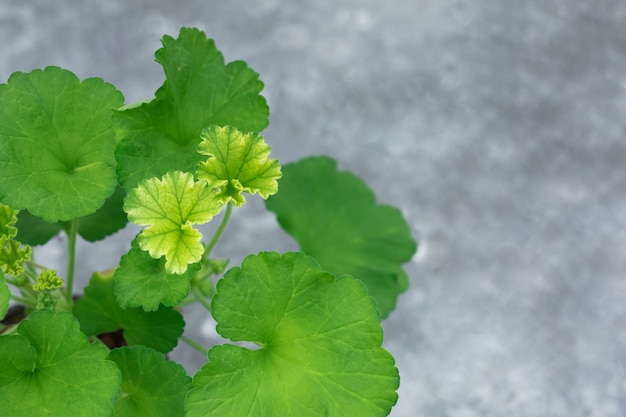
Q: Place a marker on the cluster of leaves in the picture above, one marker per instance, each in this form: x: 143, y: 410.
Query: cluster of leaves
x: 76, y: 160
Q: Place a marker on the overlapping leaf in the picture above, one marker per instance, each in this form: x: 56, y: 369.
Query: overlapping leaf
x: 320, y: 339
x: 334, y: 217
x: 50, y: 369
x: 151, y: 385
x: 142, y: 281
x: 56, y: 143
x: 5, y: 296
x: 238, y: 162
x: 13, y: 256
x: 170, y: 206
x: 108, y: 219
x: 99, y: 312
x: 199, y: 91
x: 8, y: 218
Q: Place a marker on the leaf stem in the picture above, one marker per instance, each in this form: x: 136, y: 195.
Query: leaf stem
x: 197, y: 346
x: 24, y: 301
x: 71, y: 258
x: 35, y: 265
x: 201, y: 298
x: 220, y: 230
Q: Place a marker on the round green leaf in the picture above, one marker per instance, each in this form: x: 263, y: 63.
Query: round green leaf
x: 98, y: 312
x: 50, y: 369
x: 107, y: 220
x: 151, y: 385
x: 335, y: 218
x: 200, y: 90
x: 56, y: 143
x: 142, y: 281
x: 320, y: 345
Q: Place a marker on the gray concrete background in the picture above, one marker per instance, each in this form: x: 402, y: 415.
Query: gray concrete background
x: 497, y: 126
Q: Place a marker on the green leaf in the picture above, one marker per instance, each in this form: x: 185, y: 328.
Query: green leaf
x: 8, y: 218
x: 98, y: 312
x: 50, y: 369
x: 151, y: 385
x: 47, y: 280
x: 5, y: 296
x: 237, y: 162
x: 33, y: 230
x: 169, y: 207
x: 109, y: 219
x: 56, y: 143
x: 199, y: 91
x: 334, y: 217
x: 320, y: 339
x: 13, y: 256
x: 142, y: 281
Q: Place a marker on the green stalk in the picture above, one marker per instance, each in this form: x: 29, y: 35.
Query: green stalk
x: 24, y: 301
x: 71, y: 259
x: 197, y: 346
x: 200, y: 298
x: 220, y: 230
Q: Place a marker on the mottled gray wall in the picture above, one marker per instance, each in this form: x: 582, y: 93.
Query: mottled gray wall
x: 497, y: 126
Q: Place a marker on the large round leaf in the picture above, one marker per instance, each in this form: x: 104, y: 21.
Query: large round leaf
x: 50, y: 369
x: 335, y: 218
x: 56, y: 143
x: 320, y: 345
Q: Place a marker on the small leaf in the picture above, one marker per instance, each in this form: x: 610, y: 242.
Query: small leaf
x: 8, y: 218
x: 199, y: 91
x: 56, y: 143
x: 334, y: 217
x: 320, y: 339
x: 98, y: 312
x: 169, y: 207
x: 237, y: 162
x: 151, y: 385
x: 50, y: 369
x: 13, y: 256
x: 142, y: 281
x: 47, y: 280
x: 5, y: 296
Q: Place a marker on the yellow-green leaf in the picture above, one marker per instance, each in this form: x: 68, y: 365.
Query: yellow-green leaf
x: 237, y: 162
x: 170, y: 206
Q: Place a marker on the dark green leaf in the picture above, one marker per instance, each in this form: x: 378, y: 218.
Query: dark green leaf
x: 56, y: 143
x: 151, y: 385
x: 334, y: 217
x: 99, y: 312
x: 50, y: 369
x: 109, y: 219
x: 142, y: 281
x: 199, y: 91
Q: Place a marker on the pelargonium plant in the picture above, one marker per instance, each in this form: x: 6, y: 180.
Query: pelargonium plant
x: 75, y: 159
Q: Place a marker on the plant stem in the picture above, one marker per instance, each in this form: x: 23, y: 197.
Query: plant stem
x: 24, y: 301
x: 200, y: 298
x: 35, y: 264
x: 197, y: 346
x: 220, y: 230
x: 71, y: 259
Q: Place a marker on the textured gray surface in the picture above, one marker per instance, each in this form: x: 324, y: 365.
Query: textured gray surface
x: 498, y: 127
